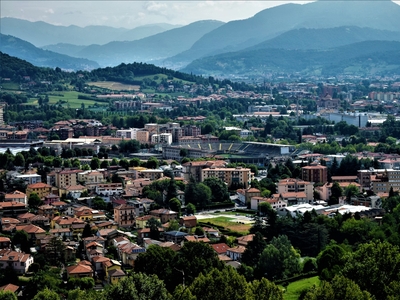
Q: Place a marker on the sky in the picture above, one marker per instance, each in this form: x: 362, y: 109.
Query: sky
x: 130, y: 14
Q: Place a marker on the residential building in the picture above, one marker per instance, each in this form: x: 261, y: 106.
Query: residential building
x: 125, y: 215
x: 16, y: 196
x: 240, y: 177
x: 165, y: 215
x: 90, y: 177
x: 245, y: 195
x: 141, y: 222
x: 292, y: 185
x: 41, y: 189
x: 109, y: 189
x: 194, y: 168
x: 274, y: 202
x: 151, y: 174
x: 236, y: 253
x: 67, y: 178
x: 315, y: 173
x: 18, y: 261
x: 82, y: 269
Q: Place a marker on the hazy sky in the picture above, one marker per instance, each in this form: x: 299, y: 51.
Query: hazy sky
x: 130, y: 14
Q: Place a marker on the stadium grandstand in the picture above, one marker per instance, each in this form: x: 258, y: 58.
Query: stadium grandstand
x: 246, y: 152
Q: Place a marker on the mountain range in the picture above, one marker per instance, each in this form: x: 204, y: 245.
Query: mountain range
x: 307, y: 32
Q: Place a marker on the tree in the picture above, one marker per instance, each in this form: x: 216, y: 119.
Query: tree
x: 330, y: 262
x: 159, y: 261
x: 195, y: 258
x: 153, y: 163
x: 154, y: 224
x: 87, y: 231
x: 340, y: 288
x: 253, y: 251
x: 226, y: 284
x: 265, y: 290
x: 279, y: 259
x: 46, y: 294
x: 219, y: 190
x: 336, y: 190
x: 350, y: 191
x: 55, y: 250
x: 171, y: 190
x: 34, y: 201
x: 19, y: 160
x: 137, y: 287
x: 374, y: 266
x: 95, y: 163
x: 7, y: 295
x: 99, y: 203
x: 190, y: 209
x: 175, y: 205
x: 21, y: 239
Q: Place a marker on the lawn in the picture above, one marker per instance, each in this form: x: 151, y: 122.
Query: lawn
x: 228, y: 223
x: 68, y: 98
x: 294, y: 289
x: 11, y: 86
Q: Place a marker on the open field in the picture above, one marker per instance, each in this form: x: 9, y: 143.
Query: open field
x: 231, y: 223
x: 115, y: 86
x: 294, y: 289
x: 10, y: 86
x: 68, y: 98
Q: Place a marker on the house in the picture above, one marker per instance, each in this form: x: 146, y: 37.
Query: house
x: 235, y: 253
x: 175, y: 236
x: 220, y: 248
x: 245, y: 195
x: 141, y: 222
x: 10, y: 288
x: 165, y: 215
x: 128, y: 252
x: 18, y: 261
x: 5, y: 242
x: 188, y: 222
x: 244, y: 240
x: 115, y: 275
x: 82, y: 269
x: 67, y: 178
x: 8, y: 224
x: 16, y: 196
x: 51, y: 198
x: 75, y: 191
x: 47, y: 211
x: 94, y: 249
x: 211, y: 232
x: 12, y: 209
x: 34, y: 232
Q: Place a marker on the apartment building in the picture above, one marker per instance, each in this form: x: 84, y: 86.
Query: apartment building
x: 231, y: 176
x: 292, y: 185
x: 315, y: 173
x: 125, y: 215
x: 41, y: 189
x: 67, y: 178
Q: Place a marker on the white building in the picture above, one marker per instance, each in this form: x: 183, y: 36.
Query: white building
x: 163, y: 138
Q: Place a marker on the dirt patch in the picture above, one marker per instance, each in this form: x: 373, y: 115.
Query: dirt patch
x: 115, y: 86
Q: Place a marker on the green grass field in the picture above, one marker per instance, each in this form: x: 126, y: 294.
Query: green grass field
x: 9, y: 86
x: 294, y: 289
x: 228, y: 223
x: 68, y: 99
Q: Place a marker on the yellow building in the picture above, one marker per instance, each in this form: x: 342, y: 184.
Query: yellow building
x: 40, y: 188
x: 231, y: 176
